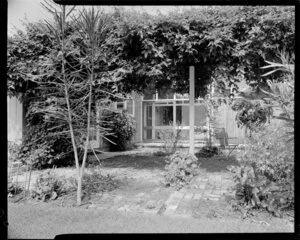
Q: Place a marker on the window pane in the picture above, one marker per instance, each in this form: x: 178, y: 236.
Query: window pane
x: 93, y: 134
x: 120, y: 105
x: 182, y: 115
x: 163, y: 115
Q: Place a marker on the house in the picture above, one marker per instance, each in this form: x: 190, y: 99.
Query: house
x: 166, y: 110
x: 154, y: 113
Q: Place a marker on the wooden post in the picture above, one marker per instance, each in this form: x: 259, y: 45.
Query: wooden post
x: 192, y: 109
x: 153, y: 120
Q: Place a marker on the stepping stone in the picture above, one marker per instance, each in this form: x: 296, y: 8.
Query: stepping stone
x: 218, y: 178
x: 197, y: 196
x: 150, y: 204
x: 124, y: 208
x: 173, y: 202
x: 92, y: 206
x: 161, y: 210
x: 188, y: 196
x: 211, y: 196
x: 176, y: 195
x: 118, y: 198
x: 213, y: 199
x: 133, y: 207
x: 140, y: 194
x: 217, y: 193
x: 184, y: 208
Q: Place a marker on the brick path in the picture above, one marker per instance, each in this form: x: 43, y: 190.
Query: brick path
x: 207, y: 187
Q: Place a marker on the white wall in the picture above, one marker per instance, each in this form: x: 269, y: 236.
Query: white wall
x: 14, y: 119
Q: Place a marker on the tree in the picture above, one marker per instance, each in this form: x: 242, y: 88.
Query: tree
x: 71, y: 100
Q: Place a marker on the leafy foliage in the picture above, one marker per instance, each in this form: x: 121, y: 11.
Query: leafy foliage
x: 227, y: 43
x: 180, y: 169
x: 251, y: 114
x: 281, y: 93
x: 48, y: 186
x: 230, y: 43
x: 265, y: 178
x: 43, y: 149
x: 122, y: 127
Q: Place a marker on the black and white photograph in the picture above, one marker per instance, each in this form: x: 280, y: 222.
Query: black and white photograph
x: 149, y: 119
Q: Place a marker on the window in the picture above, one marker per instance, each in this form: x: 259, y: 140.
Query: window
x: 120, y: 105
x: 93, y: 134
x: 127, y: 104
x: 164, y: 115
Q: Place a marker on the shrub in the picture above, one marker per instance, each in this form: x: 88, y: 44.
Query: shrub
x: 265, y: 177
x: 48, y: 186
x: 122, y: 127
x: 45, y: 150
x: 170, y: 137
x: 14, y: 189
x: 13, y: 151
x: 95, y: 182
x: 180, y: 169
x: 207, y: 152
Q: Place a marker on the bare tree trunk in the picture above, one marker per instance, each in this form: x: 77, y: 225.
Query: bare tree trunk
x: 79, y: 190
x: 69, y: 109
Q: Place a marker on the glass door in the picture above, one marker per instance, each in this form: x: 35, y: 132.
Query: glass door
x: 147, y: 124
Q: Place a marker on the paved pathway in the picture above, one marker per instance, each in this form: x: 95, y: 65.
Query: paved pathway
x: 207, y: 187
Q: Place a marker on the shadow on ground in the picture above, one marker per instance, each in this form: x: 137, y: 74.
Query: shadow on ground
x: 217, y: 163
x: 137, y: 162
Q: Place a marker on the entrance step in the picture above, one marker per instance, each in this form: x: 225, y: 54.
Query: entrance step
x: 160, y: 145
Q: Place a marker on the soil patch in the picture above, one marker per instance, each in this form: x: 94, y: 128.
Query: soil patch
x: 136, y: 162
x: 218, y: 163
